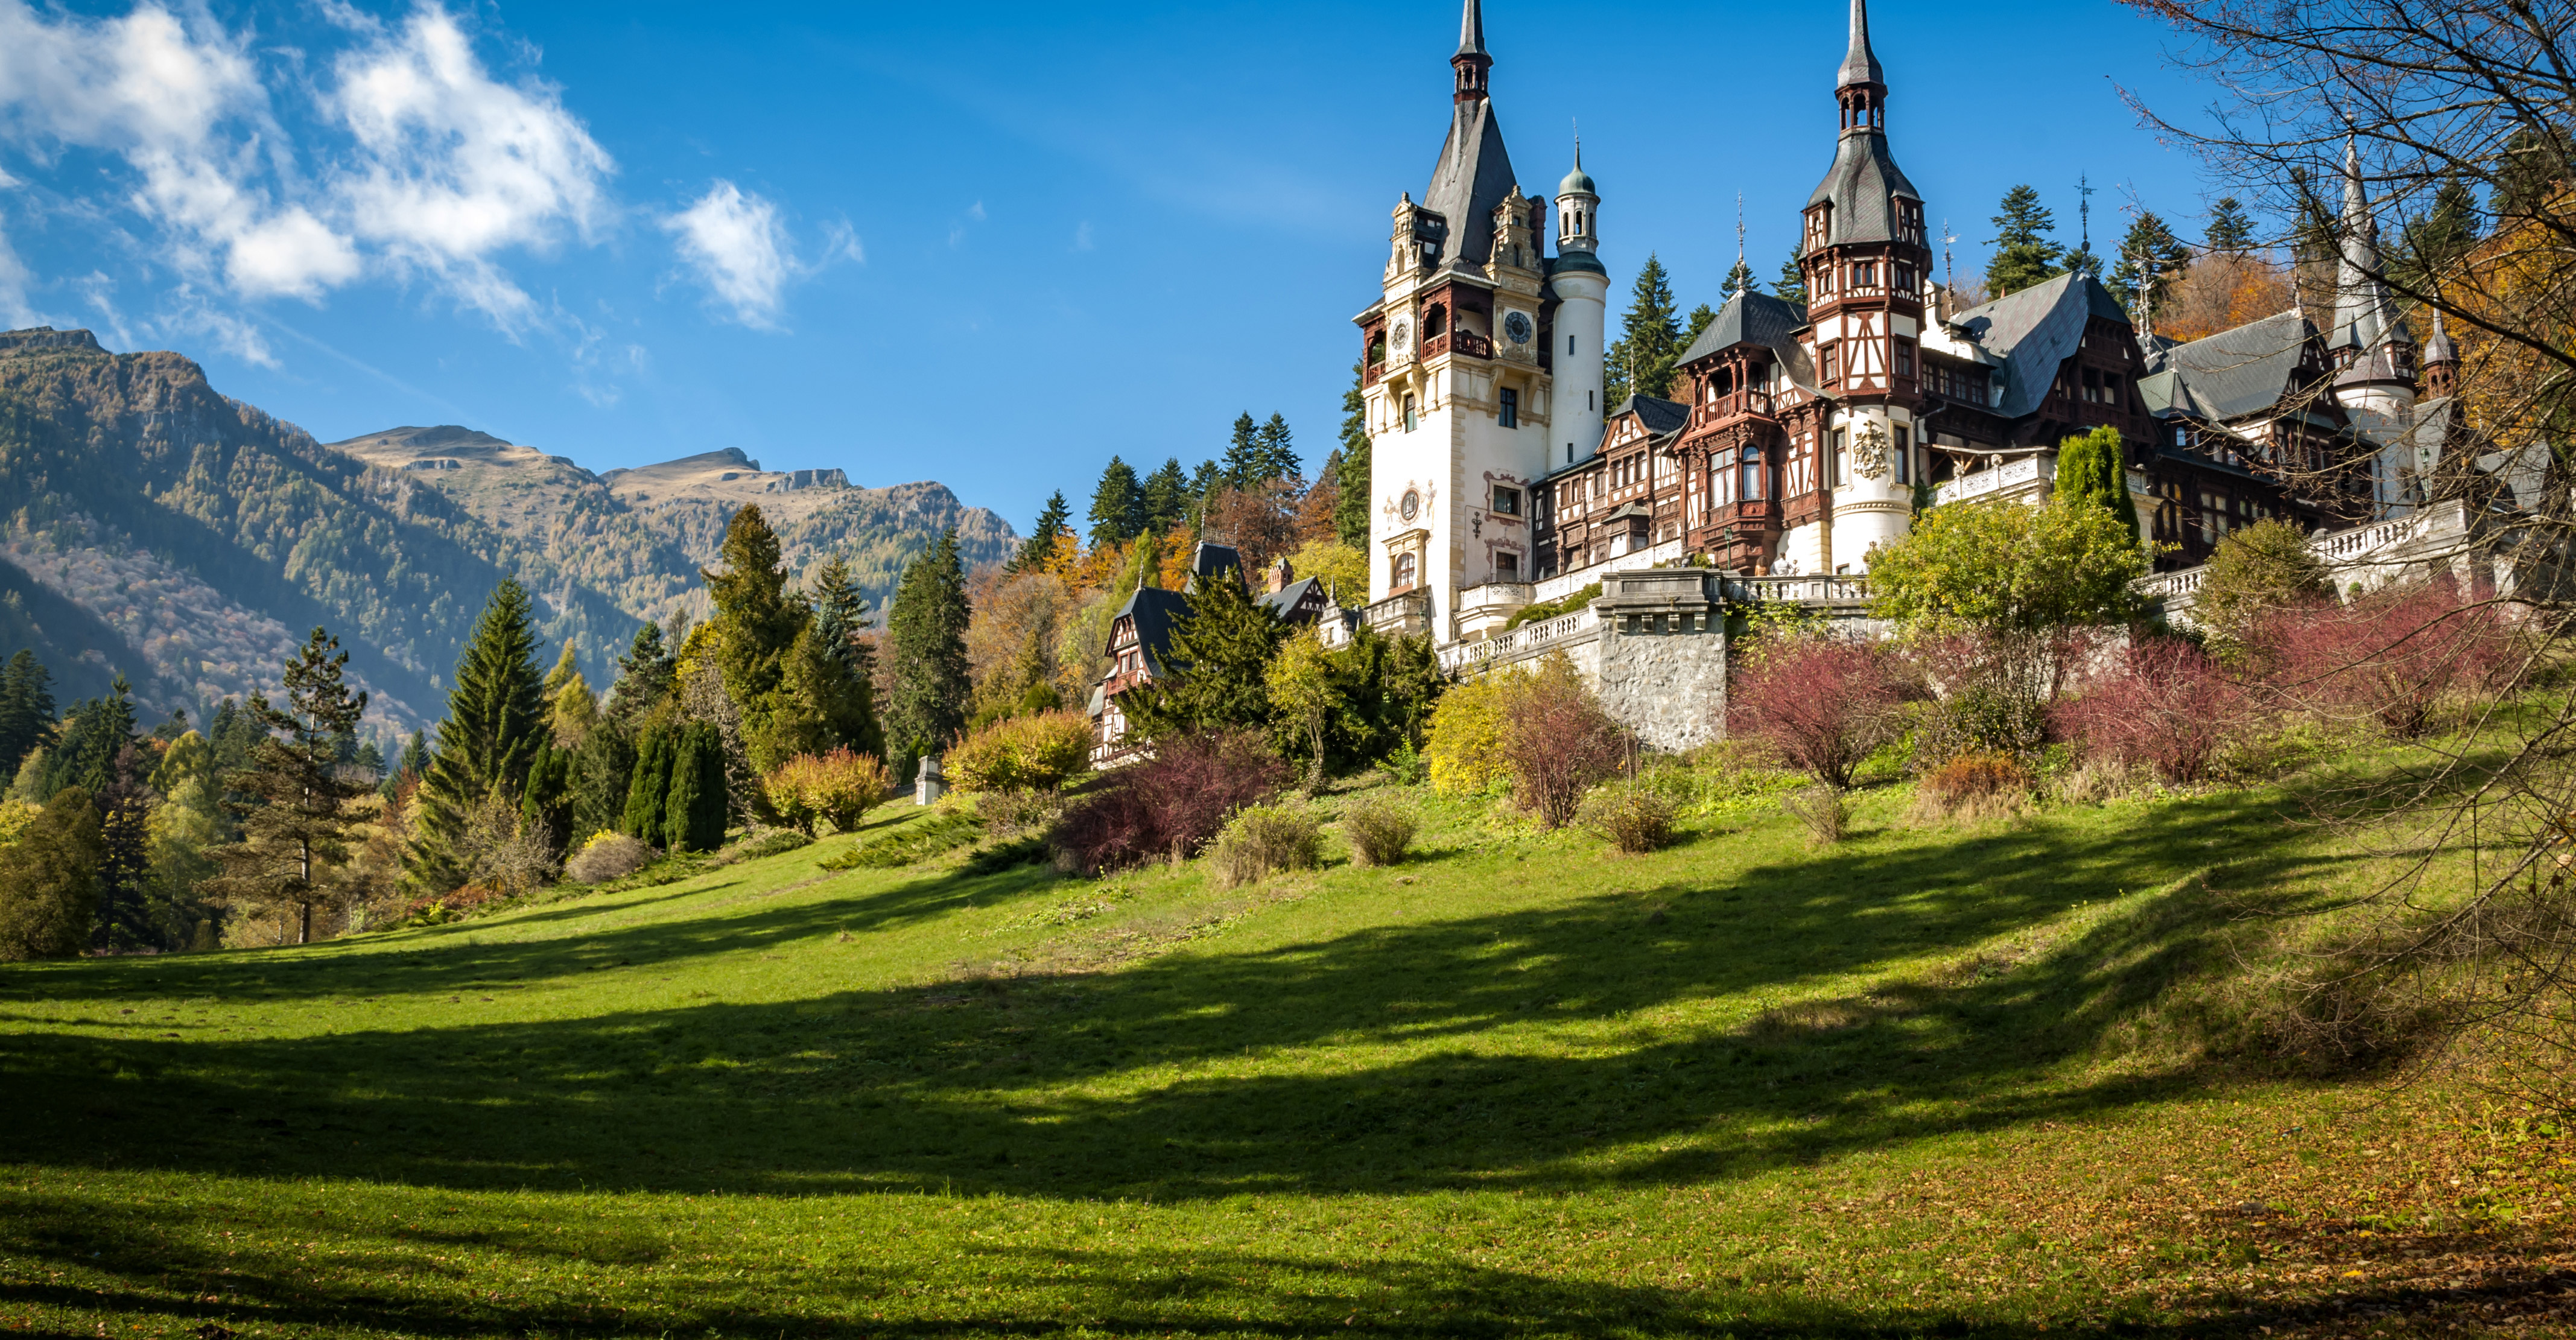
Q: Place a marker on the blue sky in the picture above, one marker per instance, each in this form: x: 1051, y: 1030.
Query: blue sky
x: 985, y: 244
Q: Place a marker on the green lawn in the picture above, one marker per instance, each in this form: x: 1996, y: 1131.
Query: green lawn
x: 1925, y: 1082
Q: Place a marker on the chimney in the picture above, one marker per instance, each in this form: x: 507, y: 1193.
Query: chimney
x: 1280, y: 575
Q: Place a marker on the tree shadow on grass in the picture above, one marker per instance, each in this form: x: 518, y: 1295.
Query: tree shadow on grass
x: 1524, y: 1049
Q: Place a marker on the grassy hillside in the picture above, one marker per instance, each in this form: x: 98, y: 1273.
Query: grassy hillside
x: 1924, y: 1083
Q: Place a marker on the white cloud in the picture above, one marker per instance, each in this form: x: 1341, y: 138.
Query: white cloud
x: 16, y: 313
x: 739, y: 249
x: 456, y: 166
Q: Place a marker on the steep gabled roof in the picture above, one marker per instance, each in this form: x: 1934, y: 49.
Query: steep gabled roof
x: 1863, y: 183
x: 1155, y: 610
x: 2036, y: 330
x: 2241, y: 372
x: 1472, y: 177
x: 1657, y: 416
x: 1751, y: 318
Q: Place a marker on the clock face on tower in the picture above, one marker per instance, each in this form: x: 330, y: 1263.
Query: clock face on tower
x: 1517, y: 325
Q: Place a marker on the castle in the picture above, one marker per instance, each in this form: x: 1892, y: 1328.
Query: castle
x: 1803, y: 437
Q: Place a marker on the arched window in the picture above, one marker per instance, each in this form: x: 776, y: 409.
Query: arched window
x: 1435, y: 323
x: 1377, y: 348
x: 1408, y: 569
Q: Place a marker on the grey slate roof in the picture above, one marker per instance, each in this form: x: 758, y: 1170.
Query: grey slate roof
x: 1155, y: 611
x: 2244, y: 371
x: 2367, y: 329
x: 1863, y: 183
x: 1209, y: 559
x: 1860, y: 64
x: 1658, y: 416
x: 2036, y: 330
x: 1470, y: 180
x: 1285, y: 601
x: 1751, y: 318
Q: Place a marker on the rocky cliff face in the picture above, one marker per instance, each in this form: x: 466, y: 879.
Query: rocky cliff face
x: 150, y: 525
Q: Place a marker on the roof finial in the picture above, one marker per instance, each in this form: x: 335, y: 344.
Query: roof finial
x: 1739, y: 230
x: 1860, y: 65
x: 1471, y: 30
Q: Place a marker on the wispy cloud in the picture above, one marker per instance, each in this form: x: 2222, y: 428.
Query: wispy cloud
x: 739, y: 247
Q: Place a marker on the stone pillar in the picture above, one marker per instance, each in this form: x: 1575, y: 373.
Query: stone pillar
x: 1663, y: 656
x: 930, y: 785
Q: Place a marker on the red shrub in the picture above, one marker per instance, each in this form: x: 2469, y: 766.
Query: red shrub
x: 1170, y: 804
x: 1823, y: 703
x: 1558, y: 742
x: 2390, y: 656
x: 2164, y: 705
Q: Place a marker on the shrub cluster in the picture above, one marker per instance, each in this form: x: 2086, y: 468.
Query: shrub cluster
x: 1380, y: 829
x: 607, y: 856
x: 2164, y: 705
x: 2388, y: 658
x: 1171, y: 804
x: 1633, y: 817
x: 1973, y: 788
x: 1822, y: 703
x: 837, y: 788
x: 1822, y: 809
x: 1037, y: 752
x: 1263, y: 840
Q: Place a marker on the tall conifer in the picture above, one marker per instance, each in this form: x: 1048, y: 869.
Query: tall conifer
x: 756, y: 622
x: 1641, y: 361
x: 302, y: 805
x: 1167, y: 496
x: 926, y: 642
x: 496, y: 722
x: 26, y: 709
x: 2024, y: 252
x: 1351, y: 508
x: 645, y: 675
x: 1054, y: 520
x: 2230, y: 231
x: 1117, y: 505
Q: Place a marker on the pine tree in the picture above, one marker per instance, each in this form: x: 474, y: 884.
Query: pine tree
x: 2432, y: 246
x: 756, y: 622
x: 1117, y: 505
x: 2024, y: 255
x: 1220, y: 650
x: 1792, y: 285
x: 1275, y: 455
x: 1055, y: 519
x: 302, y: 807
x: 1166, y: 497
x: 1351, y: 509
x: 1738, y: 280
x: 1243, y: 458
x: 926, y: 642
x: 1641, y: 362
x: 125, y: 852
x: 496, y: 722
x: 26, y: 710
x: 2151, y: 259
x: 2230, y: 232
x: 645, y: 676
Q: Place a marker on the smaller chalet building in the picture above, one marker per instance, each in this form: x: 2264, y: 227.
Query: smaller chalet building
x: 1140, y: 635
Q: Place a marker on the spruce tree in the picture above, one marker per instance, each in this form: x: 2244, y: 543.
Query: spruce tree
x: 496, y: 722
x: 1701, y: 318
x: 1738, y: 280
x: 1792, y: 285
x: 2151, y: 259
x: 1220, y: 652
x: 1351, y: 509
x: 302, y: 805
x: 2024, y: 254
x: 2230, y: 233
x: 125, y: 852
x: 1204, y: 484
x: 756, y: 622
x: 26, y: 709
x: 1054, y: 520
x: 2432, y: 246
x: 1117, y: 505
x: 645, y: 676
x: 1641, y: 362
x: 926, y: 643
x: 1243, y: 462
x: 841, y: 622
x: 90, y: 739
x: 1276, y: 453
x: 1166, y: 497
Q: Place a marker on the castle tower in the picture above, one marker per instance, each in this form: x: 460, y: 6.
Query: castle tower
x: 1854, y: 451
x: 2441, y: 362
x: 1582, y: 289
x: 2374, y: 352
x: 1456, y: 371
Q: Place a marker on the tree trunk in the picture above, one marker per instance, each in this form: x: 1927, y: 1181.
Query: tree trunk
x: 304, y: 923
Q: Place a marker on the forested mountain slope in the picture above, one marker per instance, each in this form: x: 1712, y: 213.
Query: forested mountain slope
x: 152, y: 526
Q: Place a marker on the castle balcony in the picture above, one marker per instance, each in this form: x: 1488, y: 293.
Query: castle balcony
x: 2029, y: 480
x: 1465, y: 342
x: 1750, y: 402
x: 1483, y: 610
x: 1376, y: 373
x: 1402, y: 614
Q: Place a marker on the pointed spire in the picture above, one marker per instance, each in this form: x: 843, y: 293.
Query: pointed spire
x: 1860, y: 66
x: 1471, y: 30
x: 1471, y: 61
